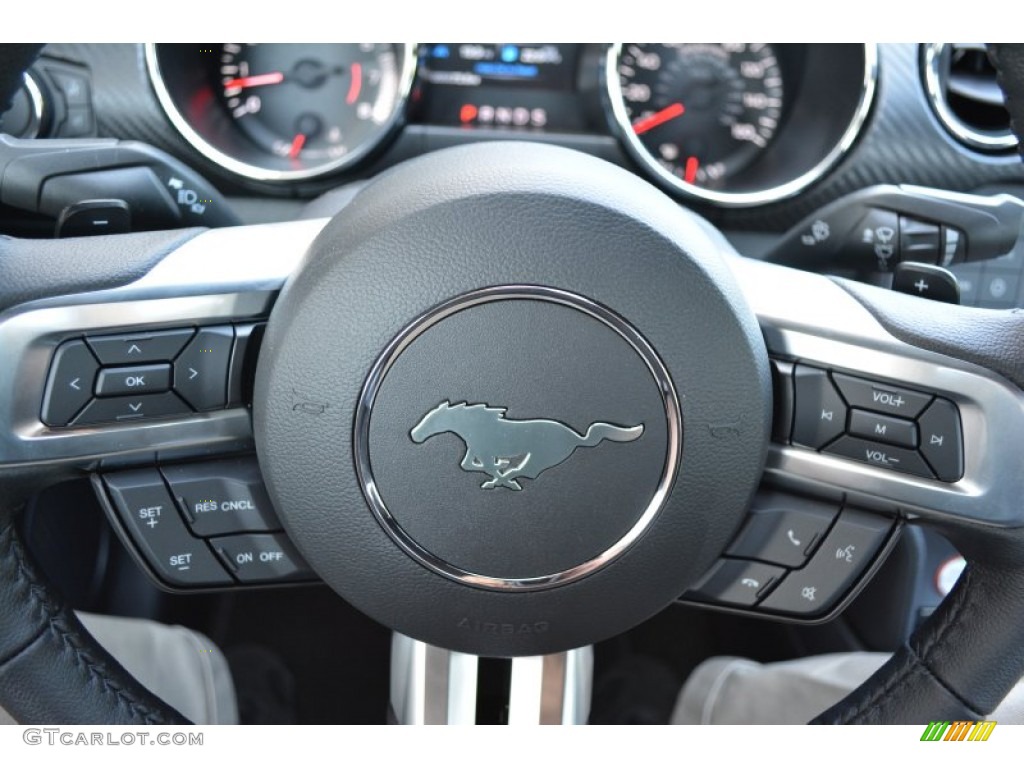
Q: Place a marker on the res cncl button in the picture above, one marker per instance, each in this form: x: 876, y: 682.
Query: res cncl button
x: 225, y: 496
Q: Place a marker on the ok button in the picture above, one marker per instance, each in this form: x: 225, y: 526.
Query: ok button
x: 134, y: 380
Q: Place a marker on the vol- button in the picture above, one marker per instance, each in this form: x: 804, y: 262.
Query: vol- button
x: 880, y: 455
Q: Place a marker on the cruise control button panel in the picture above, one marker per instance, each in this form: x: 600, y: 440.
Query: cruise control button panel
x: 203, y: 525
x: 889, y: 426
x: 151, y: 520
x: 117, y: 378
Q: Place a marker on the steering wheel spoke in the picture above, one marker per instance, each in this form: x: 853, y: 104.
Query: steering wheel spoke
x: 883, y: 420
x: 61, y: 352
x: 434, y: 686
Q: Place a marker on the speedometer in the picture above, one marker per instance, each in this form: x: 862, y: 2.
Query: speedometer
x: 283, y: 111
x: 738, y: 124
x: 702, y: 113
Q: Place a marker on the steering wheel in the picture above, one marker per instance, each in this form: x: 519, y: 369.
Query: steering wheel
x: 513, y: 400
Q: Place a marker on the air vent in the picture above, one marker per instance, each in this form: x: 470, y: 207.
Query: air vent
x: 962, y: 88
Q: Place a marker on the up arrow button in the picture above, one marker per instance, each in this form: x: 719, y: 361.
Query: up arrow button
x: 135, y: 348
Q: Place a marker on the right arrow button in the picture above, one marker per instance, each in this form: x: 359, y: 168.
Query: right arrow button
x: 201, y: 371
x: 941, y: 440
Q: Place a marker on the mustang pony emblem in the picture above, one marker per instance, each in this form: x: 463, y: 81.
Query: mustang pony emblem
x: 508, y: 449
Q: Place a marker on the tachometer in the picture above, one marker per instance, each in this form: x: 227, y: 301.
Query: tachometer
x: 283, y: 111
x: 698, y: 114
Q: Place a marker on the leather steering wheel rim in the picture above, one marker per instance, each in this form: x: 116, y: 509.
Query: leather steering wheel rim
x: 958, y: 665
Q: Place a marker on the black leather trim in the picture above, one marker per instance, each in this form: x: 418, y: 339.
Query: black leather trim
x: 958, y: 666
x: 51, y: 670
x: 991, y: 338
x: 1008, y: 59
x: 34, y: 269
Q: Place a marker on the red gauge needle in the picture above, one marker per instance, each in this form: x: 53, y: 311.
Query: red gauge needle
x: 671, y: 112
x: 297, y: 142
x: 356, y: 85
x: 690, y: 172
x: 271, y: 78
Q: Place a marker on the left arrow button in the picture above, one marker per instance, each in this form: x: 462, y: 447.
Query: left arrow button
x: 69, y: 387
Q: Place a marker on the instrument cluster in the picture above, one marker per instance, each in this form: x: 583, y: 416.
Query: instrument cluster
x: 732, y: 124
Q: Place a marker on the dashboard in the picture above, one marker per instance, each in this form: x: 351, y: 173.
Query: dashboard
x: 754, y: 136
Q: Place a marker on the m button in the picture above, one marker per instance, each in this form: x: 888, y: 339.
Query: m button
x: 888, y: 429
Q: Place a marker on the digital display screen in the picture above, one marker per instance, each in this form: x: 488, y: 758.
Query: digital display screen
x: 500, y: 85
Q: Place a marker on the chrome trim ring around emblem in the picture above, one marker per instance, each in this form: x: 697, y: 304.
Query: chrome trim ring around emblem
x: 364, y: 409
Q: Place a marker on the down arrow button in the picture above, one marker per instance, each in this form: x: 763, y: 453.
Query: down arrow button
x: 201, y: 371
